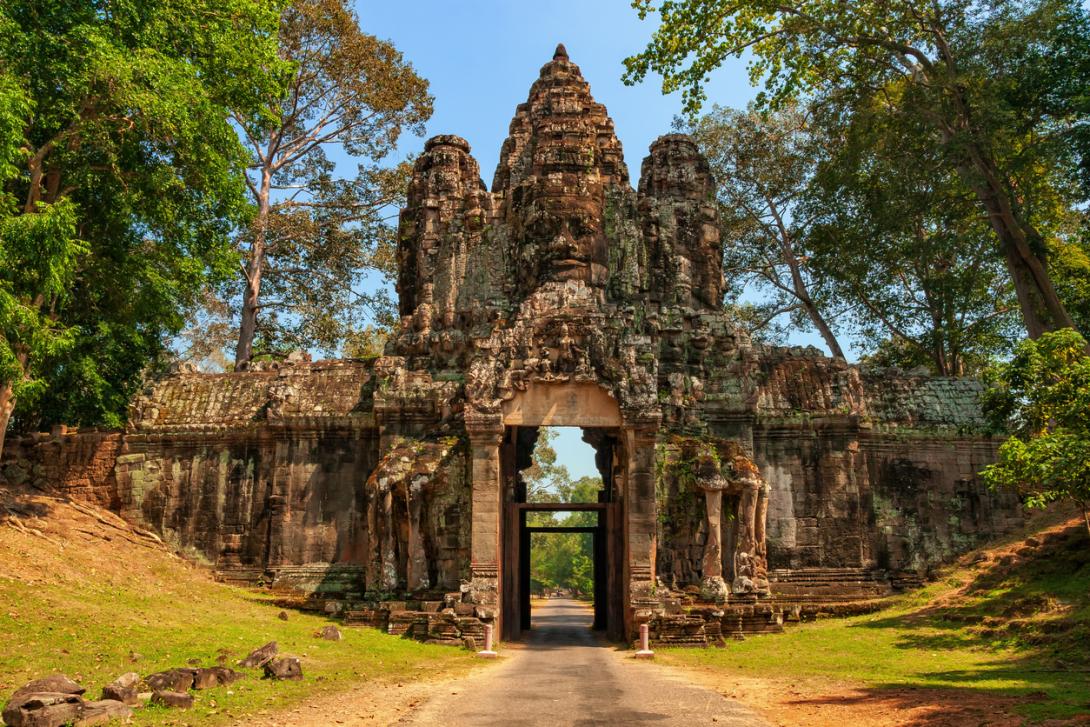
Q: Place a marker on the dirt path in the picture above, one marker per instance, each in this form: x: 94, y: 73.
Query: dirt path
x: 565, y: 676
x: 825, y: 702
x: 373, y: 703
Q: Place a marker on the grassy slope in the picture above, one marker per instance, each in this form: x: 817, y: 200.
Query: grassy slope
x: 1016, y: 622
x: 80, y: 595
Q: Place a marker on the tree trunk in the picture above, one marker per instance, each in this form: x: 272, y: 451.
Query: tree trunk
x: 802, y: 292
x: 823, y: 328
x: 251, y: 295
x: 1022, y: 245
x: 7, y: 405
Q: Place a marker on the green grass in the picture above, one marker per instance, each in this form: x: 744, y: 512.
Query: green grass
x: 83, y: 609
x: 1017, y: 628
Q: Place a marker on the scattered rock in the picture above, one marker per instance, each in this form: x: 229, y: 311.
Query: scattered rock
x: 329, y: 633
x: 49, y: 702
x: 58, y: 683
x: 102, y: 712
x: 283, y: 615
x: 216, y: 676
x: 171, y: 680
x: 167, y: 698
x: 286, y: 667
x: 42, y: 709
x: 259, y: 657
x: 125, y: 689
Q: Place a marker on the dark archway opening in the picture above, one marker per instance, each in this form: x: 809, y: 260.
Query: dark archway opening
x: 584, y: 507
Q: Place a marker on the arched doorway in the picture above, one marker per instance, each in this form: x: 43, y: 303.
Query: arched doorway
x: 586, y: 406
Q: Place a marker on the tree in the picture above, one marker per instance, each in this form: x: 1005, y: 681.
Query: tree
x: 765, y: 163
x: 1000, y: 82
x: 1042, y: 397
x: 315, y: 235
x: 122, y: 180
x: 38, y: 256
x: 897, y: 234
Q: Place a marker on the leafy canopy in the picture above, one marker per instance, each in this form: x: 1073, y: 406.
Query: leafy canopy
x: 1042, y: 397
x: 122, y: 174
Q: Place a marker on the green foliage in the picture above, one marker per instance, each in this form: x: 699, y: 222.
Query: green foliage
x: 1042, y: 396
x: 898, y: 236
x: 562, y: 560
x: 1000, y: 84
x: 38, y: 257
x: 115, y: 130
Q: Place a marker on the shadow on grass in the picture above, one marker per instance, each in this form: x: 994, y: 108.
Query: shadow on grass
x: 1033, y: 602
x: 21, y: 505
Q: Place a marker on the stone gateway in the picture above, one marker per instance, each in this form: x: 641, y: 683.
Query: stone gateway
x: 741, y: 482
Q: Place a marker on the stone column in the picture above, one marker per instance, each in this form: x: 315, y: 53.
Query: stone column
x: 750, y: 560
x: 388, y: 543
x: 712, y: 482
x: 417, y: 562
x: 486, y: 547
x: 640, y: 513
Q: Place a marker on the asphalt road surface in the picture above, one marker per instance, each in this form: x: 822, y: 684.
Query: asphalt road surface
x: 564, y: 675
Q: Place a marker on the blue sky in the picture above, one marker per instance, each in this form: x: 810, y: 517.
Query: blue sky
x: 481, y: 56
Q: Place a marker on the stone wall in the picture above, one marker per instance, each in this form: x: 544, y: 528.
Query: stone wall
x: 874, y: 501
x: 77, y: 464
x: 256, y: 501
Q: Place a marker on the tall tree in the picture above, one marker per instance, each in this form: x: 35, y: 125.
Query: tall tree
x: 1000, y: 81
x: 899, y: 236
x: 314, y: 235
x: 122, y: 179
x: 765, y: 163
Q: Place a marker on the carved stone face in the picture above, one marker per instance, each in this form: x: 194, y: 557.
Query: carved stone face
x: 569, y: 242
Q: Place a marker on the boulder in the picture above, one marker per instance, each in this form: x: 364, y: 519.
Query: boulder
x: 58, y: 683
x: 42, y: 709
x: 167, y: 698
x: 125, y: 689
x: 286, y: 667
x: 329, y: 633
x: 102, y: 712
x: 49, y: 702
x: 216, y: 676
x: 258, y: 657
x: 171, y: 680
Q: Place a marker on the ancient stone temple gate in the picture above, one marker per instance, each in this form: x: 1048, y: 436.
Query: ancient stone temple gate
x: 551, y: 294
x: 739, y: 481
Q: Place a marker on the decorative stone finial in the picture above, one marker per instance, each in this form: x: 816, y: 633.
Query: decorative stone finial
x: 561, y: 53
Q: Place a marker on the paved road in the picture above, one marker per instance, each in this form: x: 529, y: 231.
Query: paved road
x: 564, y: 675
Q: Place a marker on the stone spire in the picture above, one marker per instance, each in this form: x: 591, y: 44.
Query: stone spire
x: 560, y: 158
x: 560, y: 120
